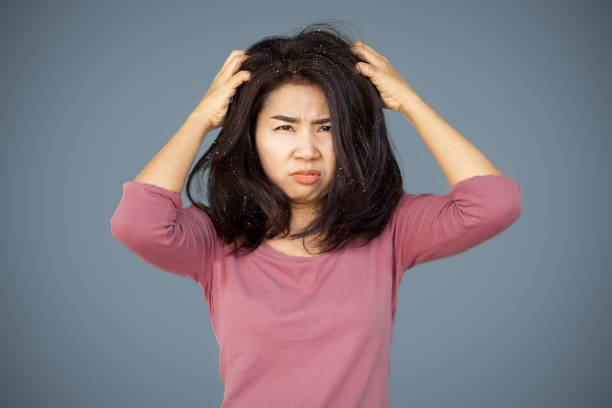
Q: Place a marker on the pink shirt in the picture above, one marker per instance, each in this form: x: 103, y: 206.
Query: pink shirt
x: 309, y: 331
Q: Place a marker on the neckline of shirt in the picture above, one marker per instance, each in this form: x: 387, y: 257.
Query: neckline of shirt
x: 269, y: 250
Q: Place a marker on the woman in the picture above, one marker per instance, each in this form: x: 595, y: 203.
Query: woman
x: 308, y: 233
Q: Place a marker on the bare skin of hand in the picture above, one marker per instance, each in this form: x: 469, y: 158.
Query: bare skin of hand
x: 393, y: 90
x: 214, y: 104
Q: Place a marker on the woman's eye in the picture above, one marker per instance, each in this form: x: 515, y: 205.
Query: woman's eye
x: 284, y: 127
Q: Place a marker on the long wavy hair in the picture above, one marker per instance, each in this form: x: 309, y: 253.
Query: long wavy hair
x: 245, y: 206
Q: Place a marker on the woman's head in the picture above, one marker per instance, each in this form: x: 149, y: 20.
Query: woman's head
x: 308, y: 76
x: 293, y: 134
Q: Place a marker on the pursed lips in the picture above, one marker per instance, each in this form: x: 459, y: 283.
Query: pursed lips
x: 310, y: 172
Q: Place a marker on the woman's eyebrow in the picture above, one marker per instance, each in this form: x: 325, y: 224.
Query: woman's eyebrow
x: 295, y: 120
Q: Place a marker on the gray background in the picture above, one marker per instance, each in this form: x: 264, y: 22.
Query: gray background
x: 92, y: 90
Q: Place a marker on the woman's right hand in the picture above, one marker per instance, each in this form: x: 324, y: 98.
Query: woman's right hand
x: 214, y: 104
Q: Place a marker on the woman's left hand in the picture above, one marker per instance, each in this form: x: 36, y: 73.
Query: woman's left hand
x: 393, y: 90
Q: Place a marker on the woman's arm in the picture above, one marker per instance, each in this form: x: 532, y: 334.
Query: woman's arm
x: 169, y: 167
x: 458, y: 158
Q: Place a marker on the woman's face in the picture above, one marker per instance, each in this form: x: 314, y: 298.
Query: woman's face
x: 294, y: 133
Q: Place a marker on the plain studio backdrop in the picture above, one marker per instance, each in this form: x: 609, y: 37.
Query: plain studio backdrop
x: 92, y: 90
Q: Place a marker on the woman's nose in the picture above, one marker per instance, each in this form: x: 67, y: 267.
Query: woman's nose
x: 305, y: 144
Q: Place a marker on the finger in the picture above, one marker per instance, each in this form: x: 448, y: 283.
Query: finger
x: 365, y: 69
x: 233, y: 64
x: 366, y: 52
x: 360, y: 50
x: 235, y: 60
x: 369, y: 49
x: 240, y: 77
x: 233, y: 56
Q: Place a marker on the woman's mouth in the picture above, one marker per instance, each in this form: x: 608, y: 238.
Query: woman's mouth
x: 305, y: 179
x: 308, y: 176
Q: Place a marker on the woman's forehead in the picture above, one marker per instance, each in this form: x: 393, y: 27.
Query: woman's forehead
x: 294, y: 100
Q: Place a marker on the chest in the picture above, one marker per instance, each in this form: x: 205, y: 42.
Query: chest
x: 273, y: 304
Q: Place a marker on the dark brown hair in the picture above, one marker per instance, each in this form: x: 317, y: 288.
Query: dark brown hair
x: 245, y: 206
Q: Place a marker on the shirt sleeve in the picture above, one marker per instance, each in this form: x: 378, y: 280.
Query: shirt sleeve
x: 152, y: 223
x: 431, y: 226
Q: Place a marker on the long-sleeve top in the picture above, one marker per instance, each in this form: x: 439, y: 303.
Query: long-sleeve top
x: 300, y: 331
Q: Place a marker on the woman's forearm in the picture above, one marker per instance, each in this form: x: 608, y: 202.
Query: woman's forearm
x: 169, y: 167
x: 458, y: 158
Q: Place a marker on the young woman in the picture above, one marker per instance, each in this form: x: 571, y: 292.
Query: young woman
x: 308, y: 231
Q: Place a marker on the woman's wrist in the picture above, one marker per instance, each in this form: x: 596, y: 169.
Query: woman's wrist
x: 201, y: 118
